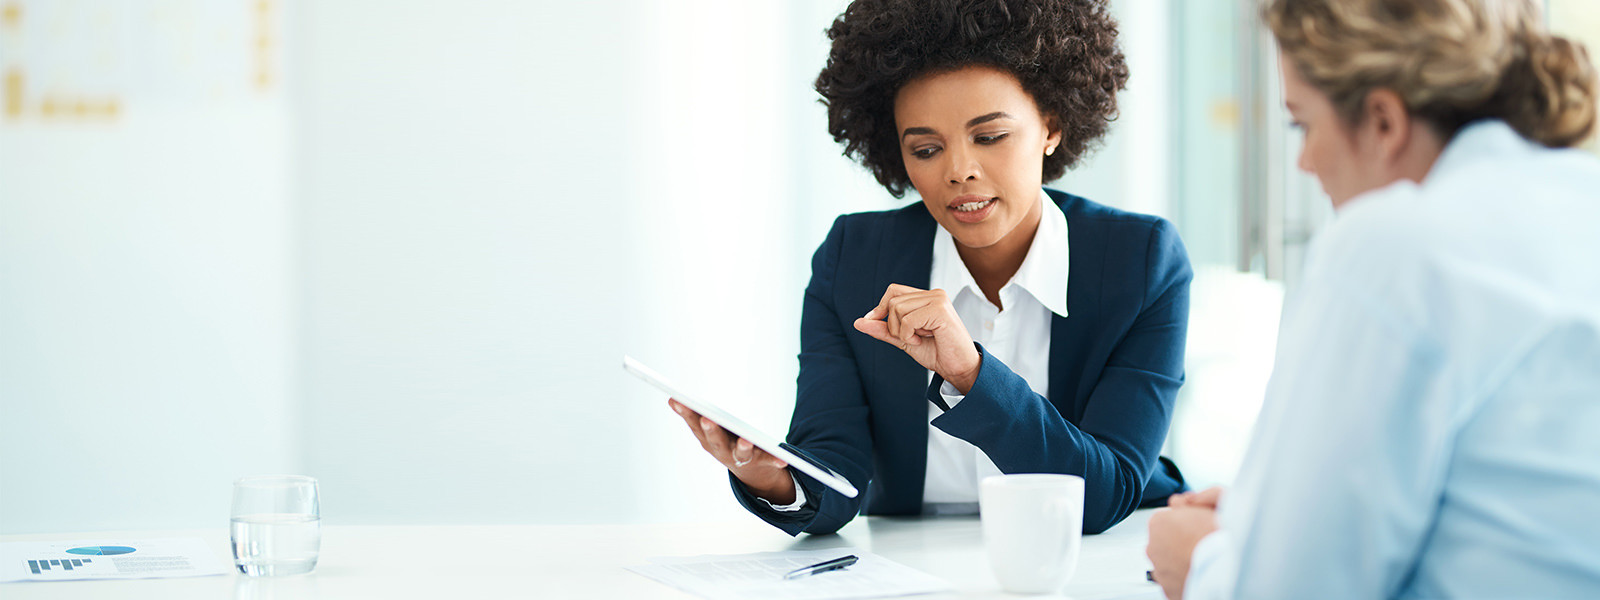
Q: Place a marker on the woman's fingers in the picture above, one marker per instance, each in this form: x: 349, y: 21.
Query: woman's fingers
x: 743, y: 452
x: 690, y: 418
x: 1208, y: 497
x: 905, y: 316
x: 922, y: 321
x: 905, y: 304
x: 883, y: 322
x: 879, y: 330
x: 889, y: 294
x: 882, y: 308
x: 715, y: 439
x: 921, y: 315
x: 712, y: 437
x: 735, y: 453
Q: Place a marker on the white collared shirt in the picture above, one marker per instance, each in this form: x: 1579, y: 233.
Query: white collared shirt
x: 1018, y: 336
x: 1429, y: 430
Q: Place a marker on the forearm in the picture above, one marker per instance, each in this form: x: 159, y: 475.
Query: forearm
x: 1113, y: 487
x: 1023, y: 432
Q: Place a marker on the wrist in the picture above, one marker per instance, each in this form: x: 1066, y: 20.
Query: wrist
x: 780, y: 490
x: 964, y: 379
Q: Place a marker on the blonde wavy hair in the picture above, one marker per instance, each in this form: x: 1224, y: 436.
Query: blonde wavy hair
x: 1451, y: 61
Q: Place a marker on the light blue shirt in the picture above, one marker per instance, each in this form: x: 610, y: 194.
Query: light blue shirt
x: 1432, y: 426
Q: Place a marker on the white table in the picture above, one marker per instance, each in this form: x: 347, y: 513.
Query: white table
x: 586, y: 561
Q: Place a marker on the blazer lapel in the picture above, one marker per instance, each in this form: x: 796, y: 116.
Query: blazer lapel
x: 1062, y: 389
x: 907, y: 258
x: 1059, y: 392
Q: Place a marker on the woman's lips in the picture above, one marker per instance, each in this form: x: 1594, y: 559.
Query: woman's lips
x: 972, y: 209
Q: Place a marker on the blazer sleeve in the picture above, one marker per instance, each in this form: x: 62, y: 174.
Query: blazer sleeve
x: 830, y: 421
x: 1115, y: 445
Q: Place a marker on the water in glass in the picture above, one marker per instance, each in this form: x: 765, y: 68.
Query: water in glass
x: 276, y: 544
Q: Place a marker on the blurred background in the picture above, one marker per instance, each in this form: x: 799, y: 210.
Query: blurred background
x: 401, y: 246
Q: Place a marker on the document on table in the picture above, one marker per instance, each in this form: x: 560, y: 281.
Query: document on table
x: 108, y: 558
x: 760, y: 575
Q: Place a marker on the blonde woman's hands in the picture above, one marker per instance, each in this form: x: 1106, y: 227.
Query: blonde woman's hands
x: 1208, y: 498
x: 766, y: 476
x: 924, y: 324
x: 1174, y: 533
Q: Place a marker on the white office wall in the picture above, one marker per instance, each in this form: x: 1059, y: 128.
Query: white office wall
x: 465, y: 242
x: 146, y: 290
x: 501, y: 199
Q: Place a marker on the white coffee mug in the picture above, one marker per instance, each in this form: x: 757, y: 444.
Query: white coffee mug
x: 1033, y: 527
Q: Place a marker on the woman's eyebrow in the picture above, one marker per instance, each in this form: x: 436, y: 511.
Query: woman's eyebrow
x: 976, y: 121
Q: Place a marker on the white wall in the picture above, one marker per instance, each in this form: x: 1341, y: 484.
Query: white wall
x: 147, y: 335
x: 501, y: 199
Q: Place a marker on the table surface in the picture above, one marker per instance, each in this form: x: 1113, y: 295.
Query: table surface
x: 586, y: 561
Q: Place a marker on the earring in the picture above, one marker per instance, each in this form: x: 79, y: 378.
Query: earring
x: 1050, y: 150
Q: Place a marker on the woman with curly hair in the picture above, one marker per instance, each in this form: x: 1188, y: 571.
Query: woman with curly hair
x: 996, y: 326
x: 1430, y: 427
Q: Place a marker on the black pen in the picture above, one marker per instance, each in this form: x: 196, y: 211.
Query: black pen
x: 822, y: 567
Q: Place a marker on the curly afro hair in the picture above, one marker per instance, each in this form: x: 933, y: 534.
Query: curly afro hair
x: 1064, y: 52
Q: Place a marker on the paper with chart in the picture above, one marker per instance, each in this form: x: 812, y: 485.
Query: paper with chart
x: 108, y: 558
x: 760, y: 575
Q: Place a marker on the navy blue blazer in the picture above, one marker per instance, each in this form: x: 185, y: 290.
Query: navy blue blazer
x: 1116, y: 362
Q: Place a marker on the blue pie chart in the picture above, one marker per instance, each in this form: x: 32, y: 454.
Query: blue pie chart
x: 101, y: 550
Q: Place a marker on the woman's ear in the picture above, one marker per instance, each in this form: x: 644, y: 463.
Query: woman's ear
x: 1052, y: 138
x: 1388, y: 123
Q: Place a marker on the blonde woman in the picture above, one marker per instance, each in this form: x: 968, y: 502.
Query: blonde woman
x: 1432, y: 427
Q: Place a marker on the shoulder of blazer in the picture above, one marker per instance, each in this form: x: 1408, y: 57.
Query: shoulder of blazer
x: 1085, y: 209
x: 1103, y: 231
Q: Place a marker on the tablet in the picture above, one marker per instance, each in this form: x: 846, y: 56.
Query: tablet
x: 772, y: 445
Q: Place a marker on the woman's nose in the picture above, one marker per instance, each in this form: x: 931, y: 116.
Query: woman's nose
x: 963, y: 166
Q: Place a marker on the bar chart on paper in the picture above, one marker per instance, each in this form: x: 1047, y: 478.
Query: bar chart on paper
x: 38, y: 566
x: 64, y: 564
x: 107, y: 559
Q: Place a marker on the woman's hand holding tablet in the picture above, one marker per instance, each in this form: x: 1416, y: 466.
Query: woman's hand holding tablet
x: 766, y: 475
x: 759, y: 460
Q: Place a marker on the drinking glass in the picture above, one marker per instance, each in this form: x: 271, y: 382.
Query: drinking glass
x: 277, y: 526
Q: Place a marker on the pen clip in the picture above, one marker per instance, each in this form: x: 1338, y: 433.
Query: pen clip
x: 822, y: 567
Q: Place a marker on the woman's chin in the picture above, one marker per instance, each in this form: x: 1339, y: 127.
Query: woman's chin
x: 976, y: 237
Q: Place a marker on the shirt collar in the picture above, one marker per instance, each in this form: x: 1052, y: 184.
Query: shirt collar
x: 1043, y: 274
x: 1476, y: 141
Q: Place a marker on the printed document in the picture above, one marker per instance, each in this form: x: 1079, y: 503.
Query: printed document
x: 123, y: 558
x: 760, y: 575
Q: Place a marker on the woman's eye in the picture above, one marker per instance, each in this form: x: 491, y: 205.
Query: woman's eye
x: 990, y: 139
x: 927, y: 152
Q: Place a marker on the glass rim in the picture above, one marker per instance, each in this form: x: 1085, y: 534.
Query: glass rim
x: 281, y: 480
